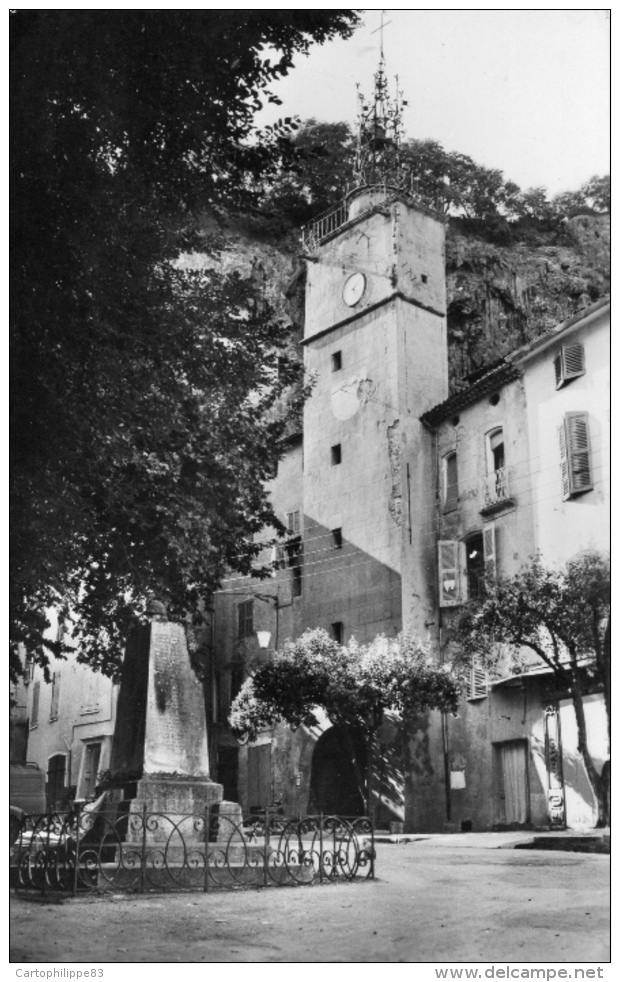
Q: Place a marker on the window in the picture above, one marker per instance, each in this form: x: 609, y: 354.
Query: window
x: 336, y: 538
x: 575, y: 466
x: 568, y: 364
x: 336, y: 361
x: 496, y: 490
x: 293, y: 522
x: 450, y: 482
x: 278, y: 557
x: 245, y: 619
x: 477, y: 682
x: 336, y: 454
x: 36, y: 695
x: 474, y: 558
x: 496, y: 449
x: 90, y: 767
x: 337, y: 631
x: 463, y: 566
x: 295, y: 551
x: 55, y: 696
x: 424, y: 278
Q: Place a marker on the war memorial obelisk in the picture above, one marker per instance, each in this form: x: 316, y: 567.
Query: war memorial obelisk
x: 160, y: 757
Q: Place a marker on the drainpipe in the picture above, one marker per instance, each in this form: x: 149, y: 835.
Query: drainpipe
x: 444, y: 716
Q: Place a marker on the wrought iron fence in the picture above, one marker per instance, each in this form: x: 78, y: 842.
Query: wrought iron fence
x: 143, y: 850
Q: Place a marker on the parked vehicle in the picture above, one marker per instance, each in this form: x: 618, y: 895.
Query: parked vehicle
x: 26, y: 795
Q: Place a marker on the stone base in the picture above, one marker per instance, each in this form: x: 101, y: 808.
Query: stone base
x: 176, y: 795
x: 176, y: 811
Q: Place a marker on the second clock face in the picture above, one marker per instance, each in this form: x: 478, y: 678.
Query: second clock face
x: 353, y: 289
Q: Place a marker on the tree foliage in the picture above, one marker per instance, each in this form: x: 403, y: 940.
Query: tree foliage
x: 319, y: 169
x: 562, y: 615
x: 316, y: 173
x: 355, y: 685
x: 142, y: 389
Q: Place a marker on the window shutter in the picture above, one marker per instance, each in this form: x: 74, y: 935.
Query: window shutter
x: 564, y: 463
x: 448, y: 558
x: 55, y: 696
x: 568, y: 364
x: 478, y: 679
x: 278, y: 557
x: 575, y: 455
x: 490, y: 553
x: 573, y: 361
x: 34, y: 715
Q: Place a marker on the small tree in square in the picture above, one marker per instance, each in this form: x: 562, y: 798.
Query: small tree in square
x: 356, y: 685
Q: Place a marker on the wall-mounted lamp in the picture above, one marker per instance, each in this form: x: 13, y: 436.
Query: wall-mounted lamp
x: 264, y: 637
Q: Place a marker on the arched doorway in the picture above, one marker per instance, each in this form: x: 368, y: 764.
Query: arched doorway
x: 338, y: 769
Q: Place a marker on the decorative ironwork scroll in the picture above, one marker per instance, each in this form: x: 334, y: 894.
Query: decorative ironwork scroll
x: 139, y: 850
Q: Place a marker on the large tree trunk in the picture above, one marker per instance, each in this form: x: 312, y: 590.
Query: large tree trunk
x: 599, y: 784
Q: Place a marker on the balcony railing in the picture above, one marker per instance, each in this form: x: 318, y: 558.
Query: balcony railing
x: 327, y: 223
x: 497, y: 489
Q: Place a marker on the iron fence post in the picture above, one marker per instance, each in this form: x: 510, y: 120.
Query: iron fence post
x: 372, y: 850
x: 321, y: 847
x: 76, y: 862
x: 143, y: 848
x: 207, y: 833
x: 266, y: 852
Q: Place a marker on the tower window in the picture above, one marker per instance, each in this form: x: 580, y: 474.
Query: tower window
x: 336, y: 361
x: 245, y: 619
x: 337, y: 538
x: 424, y: 278
x: 337, y: 630
x: 293, y: 523
x: 336, y: 454
x: 450, y: 482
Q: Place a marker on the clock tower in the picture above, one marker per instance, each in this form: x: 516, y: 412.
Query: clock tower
x: 375, y: 343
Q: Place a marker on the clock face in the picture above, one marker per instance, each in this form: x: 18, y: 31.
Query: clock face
x: 353, y: 290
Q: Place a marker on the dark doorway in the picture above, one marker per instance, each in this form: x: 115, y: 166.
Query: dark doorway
x: 334, y: 779
x: 55, y: 781
x: 228, y: 771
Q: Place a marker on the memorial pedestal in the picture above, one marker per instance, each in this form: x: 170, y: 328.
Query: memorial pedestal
x: 160, y: 759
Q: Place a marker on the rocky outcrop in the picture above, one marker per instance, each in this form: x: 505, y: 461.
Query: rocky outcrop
x: 500, y: 297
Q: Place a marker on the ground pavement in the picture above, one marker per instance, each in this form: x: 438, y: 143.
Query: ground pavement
x: 446, y: 898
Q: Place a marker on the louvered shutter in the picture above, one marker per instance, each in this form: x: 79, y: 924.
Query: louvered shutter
x: 564, y: 471
x: 568, y: 364
x: 578, y: 447
x: 34, y: 715
x: 478, y: 680
x: 278, y: 557
x: 55, y: 695
x: 448, y: 558
x: 573, y: 361
x: 490, y: 556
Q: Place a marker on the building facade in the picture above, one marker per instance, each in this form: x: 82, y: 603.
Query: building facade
x: 70, y: 725
x: 397, y: 500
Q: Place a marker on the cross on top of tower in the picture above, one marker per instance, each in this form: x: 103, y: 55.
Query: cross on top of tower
x: 379, y: 133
